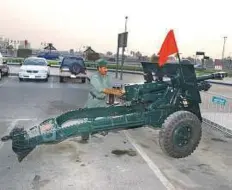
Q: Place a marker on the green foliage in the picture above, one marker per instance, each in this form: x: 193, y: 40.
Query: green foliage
x: 24, y: 52
x: 91, y: 64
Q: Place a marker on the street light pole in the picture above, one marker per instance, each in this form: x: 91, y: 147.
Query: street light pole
x: 223, y: 50
x: 126, y: 23
x: 123, y: 49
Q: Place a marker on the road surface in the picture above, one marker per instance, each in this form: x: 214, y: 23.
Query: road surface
x: 123, y: 160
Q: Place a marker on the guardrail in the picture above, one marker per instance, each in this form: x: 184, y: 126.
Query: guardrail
x: 89, y: 64
x: 137, y: 69
x: 217, y: 111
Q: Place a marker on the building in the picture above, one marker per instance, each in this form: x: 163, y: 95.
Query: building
x: 24, y: 44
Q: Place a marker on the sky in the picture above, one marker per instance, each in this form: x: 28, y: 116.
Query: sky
x: 71, y: 24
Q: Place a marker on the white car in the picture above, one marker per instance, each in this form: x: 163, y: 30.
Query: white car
x: 34, y: 68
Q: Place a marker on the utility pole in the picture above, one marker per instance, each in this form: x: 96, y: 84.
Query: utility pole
x: 123, y: 49
x: 223, y: 50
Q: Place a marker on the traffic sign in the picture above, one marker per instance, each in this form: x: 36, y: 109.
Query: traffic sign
x: 219, y: 100
x: 122, y: 39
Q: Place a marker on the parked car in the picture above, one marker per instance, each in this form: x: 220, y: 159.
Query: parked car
x: 4, y: 69
x: 72, y: 67
x: 199, y: 67
x: 34, y: 68
x: 49, y: 55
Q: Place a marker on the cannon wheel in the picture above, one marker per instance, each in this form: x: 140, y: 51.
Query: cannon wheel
x: 180, y: 134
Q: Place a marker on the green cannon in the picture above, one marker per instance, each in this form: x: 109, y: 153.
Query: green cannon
x: 168, y: 99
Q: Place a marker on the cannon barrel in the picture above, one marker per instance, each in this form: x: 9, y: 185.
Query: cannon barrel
x: 219, y: 75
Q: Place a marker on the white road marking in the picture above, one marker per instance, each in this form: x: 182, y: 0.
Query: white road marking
x: 13, y: 76
x: 51, y: 84
x: 18, y: 119
x: 150, y: 163
x: 1, y: 84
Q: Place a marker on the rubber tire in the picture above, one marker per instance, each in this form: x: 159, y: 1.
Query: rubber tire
x: 0, y: 75
x: 61, y: 79
x: 7, y: 73
x: 75, y: 68
x: 83, y: 80
x: 20, y: 79
x: 168, y: 127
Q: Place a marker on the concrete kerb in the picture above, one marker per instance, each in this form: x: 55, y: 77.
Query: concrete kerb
x: 114, y: 70
x: 90, y: 68
x: 221, y: 83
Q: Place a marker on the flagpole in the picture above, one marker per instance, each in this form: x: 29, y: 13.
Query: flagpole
x: 181, y: 71
x: 170, y: 47
x: 178, y: 56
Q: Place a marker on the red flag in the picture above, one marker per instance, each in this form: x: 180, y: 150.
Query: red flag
x: 168, y: 47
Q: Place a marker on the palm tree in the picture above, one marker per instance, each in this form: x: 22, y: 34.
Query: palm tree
x: 10, y: 49
x: 50, y: 47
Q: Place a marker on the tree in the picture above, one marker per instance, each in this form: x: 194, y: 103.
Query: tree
x: 10, y: 50
x: 138, y: 54
x: 192, y: 60
x: 93, y: 56
x: 71, y: 51
x: 109, y: 53
x: 50, y: 47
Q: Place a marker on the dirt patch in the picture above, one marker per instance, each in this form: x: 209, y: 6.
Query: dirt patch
x: 129, y: 152
x: 205, y: 149
x: 37, y: 183
x: 66, y: 149
x: 78, y: 159
x: 218, y: 140
x: 228, y: 136
x: 81, y: 141
x: 144, y: 145
x: 205, y: 168
x: 186, y: 170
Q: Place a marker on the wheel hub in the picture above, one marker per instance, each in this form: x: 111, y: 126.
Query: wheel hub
x: 182, y: 136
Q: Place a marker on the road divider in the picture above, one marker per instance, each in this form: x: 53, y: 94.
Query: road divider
x: 127, y: 70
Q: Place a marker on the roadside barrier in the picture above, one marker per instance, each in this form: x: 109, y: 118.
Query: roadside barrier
x: 217, y: 111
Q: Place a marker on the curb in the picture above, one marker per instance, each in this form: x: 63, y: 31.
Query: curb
x: 92, y: 68
x: 218, y: 127
x: 221, y: 83
x: 113, y: 70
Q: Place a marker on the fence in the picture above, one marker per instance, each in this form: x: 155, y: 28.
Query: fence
x: 217, y: 111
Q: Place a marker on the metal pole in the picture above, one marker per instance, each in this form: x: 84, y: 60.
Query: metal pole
x: 223, y: 50
x: 123, y: 50
x: 126, y: 23
x: 117, y: 58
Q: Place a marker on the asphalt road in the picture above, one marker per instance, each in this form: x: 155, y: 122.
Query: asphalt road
x: 73, y: 165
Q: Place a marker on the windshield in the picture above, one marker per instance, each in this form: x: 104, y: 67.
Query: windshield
x: 39, y: 62
x: 68, y: 61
